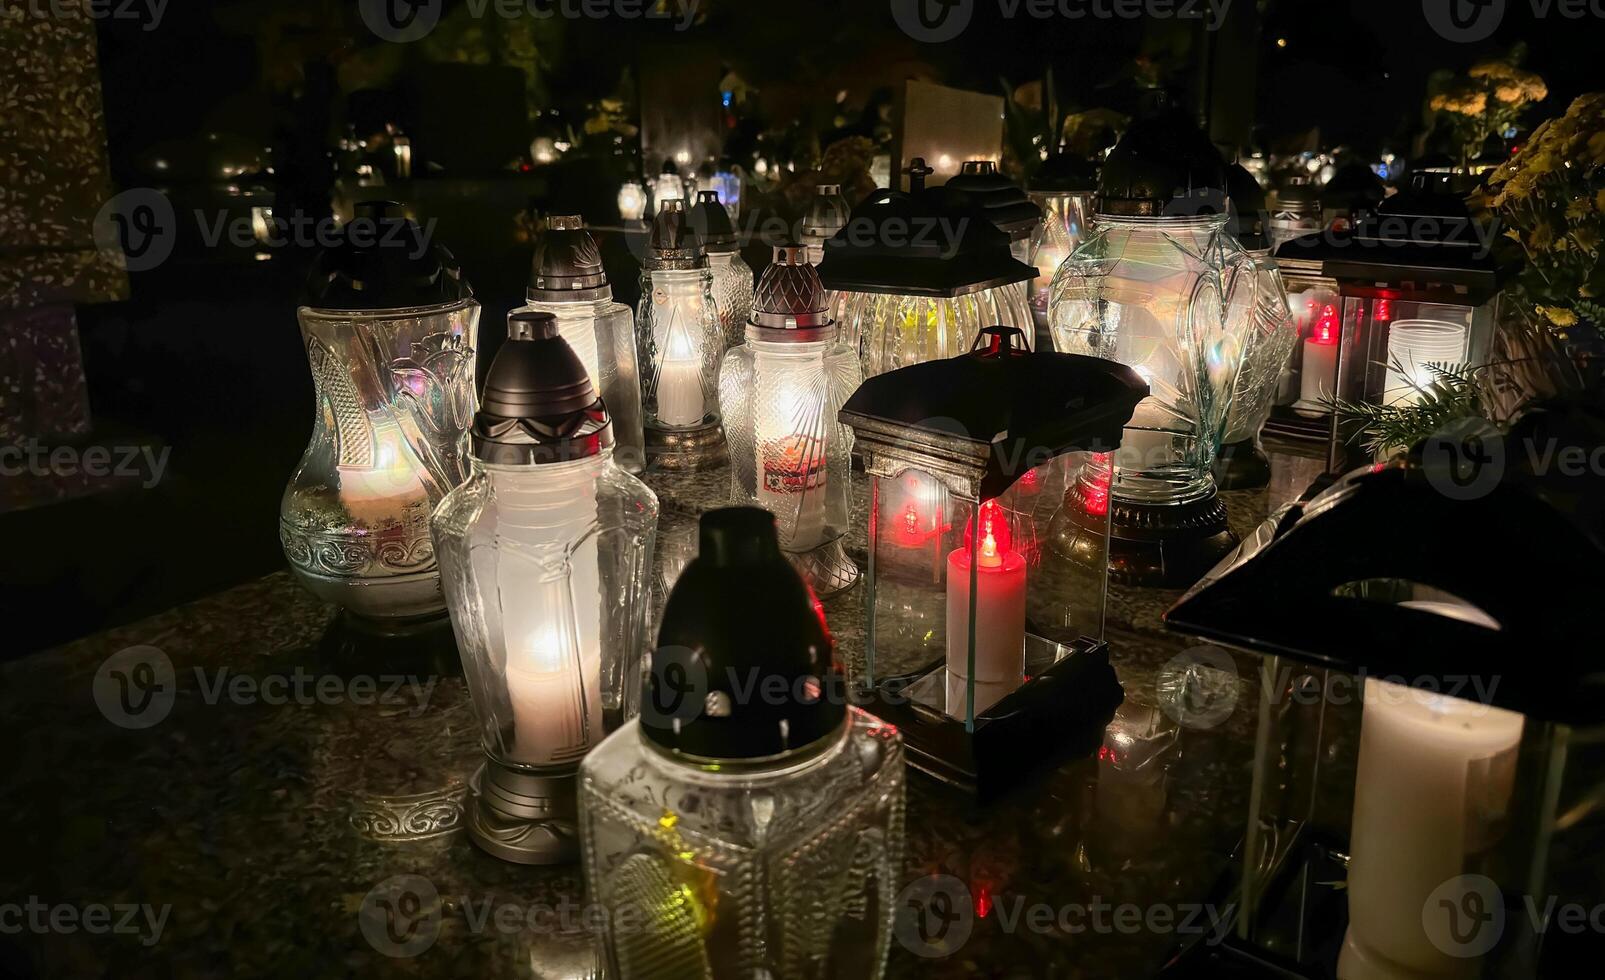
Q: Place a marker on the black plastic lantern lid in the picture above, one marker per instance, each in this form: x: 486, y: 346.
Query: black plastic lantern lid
x: 1064, y: 173
x: 1247, y: 199
x: 1324, y: 591
x: 567, y: 266
x: 711, y: 222
x: 1354, y: 188
x: 922, y: 243
x: 538, y: 405
x: 744, y: 670
x: 1004, y: 204
x: 384, y: 261
x: 1163, y: 167
x: 999, y: 410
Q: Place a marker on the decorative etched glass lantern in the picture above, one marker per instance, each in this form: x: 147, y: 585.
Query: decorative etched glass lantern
x: 781, y: 391
x: 680, y: 342
x: 390, y: 327
x: 984, y: 621
x: 916, y: 276
x: 1063, y: 188
x: 826, y: 216
x: 1164, y: 287
x: 732, y: 276
x: 1425, y: 800
x: 545, y: 552
x: 1382, y: 309
x: 750, y: 822
x: 568, y: 281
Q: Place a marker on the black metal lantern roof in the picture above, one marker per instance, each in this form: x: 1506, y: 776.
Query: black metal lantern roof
x: 1354, y: 188
x: 984, y: 419
x: 1325, y: 589
x: 567, y: 266
x: 927, y: 242
x: 383, y: 260
x: 1004, y: 204
x: 1163, y: 167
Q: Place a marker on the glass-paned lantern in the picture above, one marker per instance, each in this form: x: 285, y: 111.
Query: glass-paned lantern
x: 1063, y: 188
x: 545, y: 551
x: 1425, y: 795
x: 826, y: 216
x: 733, y: 834
x: 568, y: 281
x: 1297, y: 211
x: 1383, y: 309
x: 632, y: 201
x: 390, y: 328
x: 988, y: 531
x: 915, y: 277
x: 781, y: 391
x: 732, y: 276
x: 680, y: 342
x: 1163, y: 286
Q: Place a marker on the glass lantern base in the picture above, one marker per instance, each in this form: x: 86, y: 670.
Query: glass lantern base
x: 1167, y: 545
x: 699, y: 448
x: 1242, y: 466
x: 826, y: 569
x: 524, y: 817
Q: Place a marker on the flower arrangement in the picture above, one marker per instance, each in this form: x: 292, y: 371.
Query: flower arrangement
x: 1488, y: 101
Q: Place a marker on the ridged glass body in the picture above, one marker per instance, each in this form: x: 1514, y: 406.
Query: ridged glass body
x: 1168, y: 297
x: 1270, y: 337
x: 1064, y: 225
x: 395, y: 398
x: 679, y: 342
x: 891, y: 331
x: 788, y: 452
x: 546, y: 569
x: 740, y: 873
x: 732, y: 293
x: 602, y: 333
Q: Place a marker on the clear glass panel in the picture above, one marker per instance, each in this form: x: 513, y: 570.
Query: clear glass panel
x: 732, y: 292
x: 679, y: 342
x: 602, y: 333
x: 890, y: 331
x: 1269, y: 336
x: 1064, y: 226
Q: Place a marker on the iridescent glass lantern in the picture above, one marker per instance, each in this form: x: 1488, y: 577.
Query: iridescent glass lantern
x: 985, y: 610
x: 390, y: 327
x: 1063, y: 187
x: 545, y: 551
x: 732, y: 276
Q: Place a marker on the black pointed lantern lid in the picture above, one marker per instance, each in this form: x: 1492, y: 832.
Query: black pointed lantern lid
x: 922, y: 243
x: 567, y: 267
x: 538, y: 405
x: 383, y: 260
x: 1353, y: 188
x: 789, y: 304
x: 1164, y: 166
x: 1064, y: 173
x: 1325, y: 587
x: 1003, y: 203
x: 744, y: 670
x: 989, y: 416
x: 1247, y: 199
x: 674, y: 243
x: 711, y: 222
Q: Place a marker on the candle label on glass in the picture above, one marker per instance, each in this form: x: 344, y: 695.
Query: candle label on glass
x: 792, y: 486
x: 1490, y: 785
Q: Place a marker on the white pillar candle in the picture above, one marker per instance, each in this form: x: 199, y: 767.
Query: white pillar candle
x: 1318, y: 369
x: 1432, y: 789
x: 677, y: 299
x: 999, y: 603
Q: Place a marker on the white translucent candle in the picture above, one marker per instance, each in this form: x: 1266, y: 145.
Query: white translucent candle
x: 677, y: 299
x: 999, y: 605
x: 1414, y: 346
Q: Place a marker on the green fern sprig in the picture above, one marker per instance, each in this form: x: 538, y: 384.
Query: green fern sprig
x: 1453, y: 394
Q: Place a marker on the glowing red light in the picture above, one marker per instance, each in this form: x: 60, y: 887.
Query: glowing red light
x: 1326, y: 329
x: 996, y: 536
x: 983, y: 901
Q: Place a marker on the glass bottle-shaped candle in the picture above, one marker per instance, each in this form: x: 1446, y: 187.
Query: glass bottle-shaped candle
x: 732, y: 276
x: 567, y: 280
x: 545, y: 552
x: 758, y: 834
x: 781, y: 392
x: 390, y: 327
x: 679, y: 342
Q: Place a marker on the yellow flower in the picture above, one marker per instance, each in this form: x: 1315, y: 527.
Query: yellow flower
x: 1587, y: 238
x: 1596, y: 148
x: 1599, y: 201
x: 1559, y: 317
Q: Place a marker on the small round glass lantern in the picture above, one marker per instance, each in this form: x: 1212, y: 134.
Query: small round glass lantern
x: 668, y: 185
x: 781, y: 391
x: 1063, y: 188
x: 545, y: 552
x: 680, y: 342
x: 632, y: 201
x: 732, y: 276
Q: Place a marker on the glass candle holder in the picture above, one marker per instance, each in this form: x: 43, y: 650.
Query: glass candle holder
x: 545, y: 552
x: 732, y: 276
x: 1417, y: 351
x: 632, y: 201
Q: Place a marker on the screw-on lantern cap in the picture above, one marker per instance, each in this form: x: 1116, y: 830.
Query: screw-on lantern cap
x: 383, y: 261
x: 1163, y: 167
x: 674, y: 243
x: 789, y: 304
x: 711, y: 223
x: 538, y: 405
x: 1300, y: 197
x: 744, y: 669
x: 567, y: 266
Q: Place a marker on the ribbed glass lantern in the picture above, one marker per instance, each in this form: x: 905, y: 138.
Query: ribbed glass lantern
x: 732, y: 276
x: 1063, y: 187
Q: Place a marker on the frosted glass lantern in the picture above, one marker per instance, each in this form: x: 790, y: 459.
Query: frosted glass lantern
x: 632, y: 201
x: 680, y: 342
x: 668, y: 185
x: 915, y: 277
x: 1063, y: 188
x: 568, y: 281
x: 732, y: 276
x: 545, y: 552
x: 781, y: 391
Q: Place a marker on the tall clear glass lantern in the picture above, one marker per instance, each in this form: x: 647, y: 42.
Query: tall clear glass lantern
x: 1411, y: 290
x: 732, y: 276
x: 916, y: 276
x: 732, y: 835
x: 826, y: 216
x: 1271, y: 335
x: 1426, y: 797
x: 568, y: 281
x: 1063, y: 187
x: 680, y: 342
x: 1296, y: 211
x: 389, y: 325
x: 1164, y: 287
x: 546, y: 551
x: 984, y: 643
x: 781, y: 391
